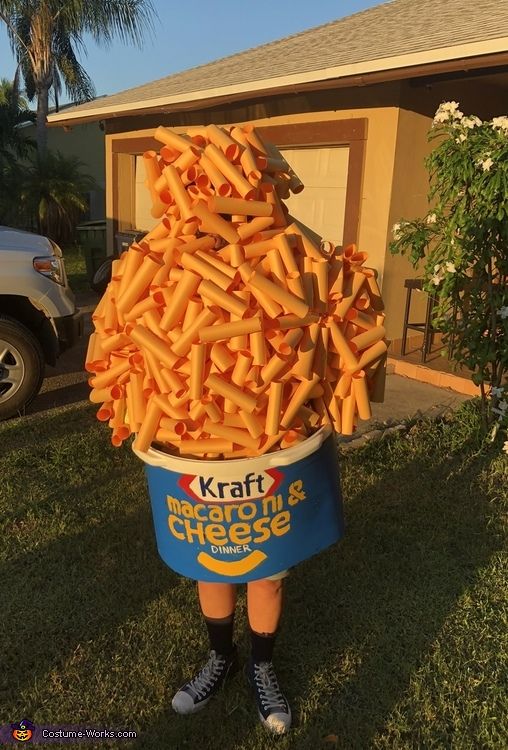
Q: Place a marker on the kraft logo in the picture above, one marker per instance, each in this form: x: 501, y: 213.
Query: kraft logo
x: 253, y: 485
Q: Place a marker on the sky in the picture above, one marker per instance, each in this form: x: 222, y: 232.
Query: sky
x: 194, y: 32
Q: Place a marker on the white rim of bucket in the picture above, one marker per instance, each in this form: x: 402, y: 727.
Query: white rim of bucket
x: 284, y: 457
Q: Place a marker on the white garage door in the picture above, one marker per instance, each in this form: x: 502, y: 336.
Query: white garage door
x: 322, y: 204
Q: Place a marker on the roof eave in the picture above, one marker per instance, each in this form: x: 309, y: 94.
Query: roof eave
x: 462, y: 57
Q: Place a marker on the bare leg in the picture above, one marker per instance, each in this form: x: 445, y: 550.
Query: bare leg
x: 217, y: 600
x: 264, y: 605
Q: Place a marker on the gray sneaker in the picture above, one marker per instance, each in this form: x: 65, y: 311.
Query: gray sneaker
x: 195, y: 694
x: 273, y: 707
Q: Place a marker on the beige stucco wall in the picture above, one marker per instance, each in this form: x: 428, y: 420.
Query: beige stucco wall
x: 408, y: 200
x: 86, y: 142
x: 378, y: 167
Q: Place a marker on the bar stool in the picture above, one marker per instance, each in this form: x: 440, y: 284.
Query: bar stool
x: 425, y: 327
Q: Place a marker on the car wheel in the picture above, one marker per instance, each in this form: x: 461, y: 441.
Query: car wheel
x: 21, y: 367
x: 102, y: 276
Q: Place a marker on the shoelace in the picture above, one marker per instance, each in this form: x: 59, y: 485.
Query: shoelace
x: 269, y: 690
x: 204, y: 681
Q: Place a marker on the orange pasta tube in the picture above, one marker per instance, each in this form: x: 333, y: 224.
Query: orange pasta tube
x: 241, y: 368
x: 222, y: 357
x: 366, y: 339
x: 342, y: 346
x: 111, y: 376
x: 134, y: 258
x: 282, y: 296
x: 178, y: 190
x: 204, y: 445
x: 184, y: 290
x: 170, y: 138
x: 191, y: 335
x: 355, y: 284
x: 227, y: 330
x: 359, y: 383
x: 149, y: 427
x: 320, y: 270
x: 371, y: 354
x: 223, y: 141
x: 197, y: 360
x: 273, y: 411
x: 220, y: 297
x: 258, y: 347
x: 243, y: 400
x: 258, y: 224
x: 159, y: 348
x: 238, y: 436
x: 277, y: 266
x: 194, y: 307
x: 348, y: 414
x: 214, y: 224
x: 242, y: 185
x: 215, y: 176
x: 306, y: 352
x: 253, y: 424
x: 299, y: 397
x: 239, y: 206
x: 139, y: 282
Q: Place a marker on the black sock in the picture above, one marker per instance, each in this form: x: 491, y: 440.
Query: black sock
x: 220, y: 633
x: 262, y: 645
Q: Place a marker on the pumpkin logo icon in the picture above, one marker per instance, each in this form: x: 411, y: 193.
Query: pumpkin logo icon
x: 23, y: 730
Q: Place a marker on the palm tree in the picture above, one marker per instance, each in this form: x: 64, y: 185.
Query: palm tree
x: 53, y: 192
x: 14, y: 112
x: 46, y: 36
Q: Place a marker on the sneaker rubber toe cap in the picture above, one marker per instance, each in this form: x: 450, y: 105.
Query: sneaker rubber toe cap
x: 278, y: 723
x: 182, y: 703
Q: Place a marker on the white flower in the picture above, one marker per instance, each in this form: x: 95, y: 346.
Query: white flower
x: 462, y: 137
x: 505, y: 446
x: 450, y: 267
x: 436, y: 279
x: 396, y: 231
x: 503, y: 312
x: 437, y: 267
x: 449, y: 107
x: 471, y: 122
x: 486, y: 164
x: 496, y: 392
x: 441, y: 117
x: 500, y: 123
x: 431, y: 219
x: 503, y: 406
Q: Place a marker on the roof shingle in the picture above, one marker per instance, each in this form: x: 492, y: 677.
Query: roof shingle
x: 387, y: 30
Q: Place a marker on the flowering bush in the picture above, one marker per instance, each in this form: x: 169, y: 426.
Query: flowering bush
x: 463, y: 243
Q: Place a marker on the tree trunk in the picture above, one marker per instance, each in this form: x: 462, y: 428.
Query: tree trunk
x: 42, y: 114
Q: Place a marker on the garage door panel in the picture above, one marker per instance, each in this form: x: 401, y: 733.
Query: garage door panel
x: 321, y: 205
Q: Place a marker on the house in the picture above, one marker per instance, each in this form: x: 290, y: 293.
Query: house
x: 86, y: 143
x: 350, y: 104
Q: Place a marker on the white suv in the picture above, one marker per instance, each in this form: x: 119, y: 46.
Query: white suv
x: 38, y: 317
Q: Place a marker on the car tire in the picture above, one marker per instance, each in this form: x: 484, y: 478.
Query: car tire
x: 21, y: 367
x: 102, y: 276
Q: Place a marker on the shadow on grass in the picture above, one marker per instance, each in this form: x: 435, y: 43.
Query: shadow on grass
x: 361, y: 618
x: 74, y: 590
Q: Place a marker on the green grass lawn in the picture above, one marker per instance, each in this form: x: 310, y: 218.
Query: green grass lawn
x: 396, y: 638
x: 75, y: 267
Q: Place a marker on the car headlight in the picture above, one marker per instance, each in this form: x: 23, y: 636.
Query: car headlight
x: 51, y: 267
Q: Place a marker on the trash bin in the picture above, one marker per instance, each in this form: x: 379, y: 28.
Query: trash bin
x: 92, y: 238
x: 241, y: 520
x: 123, y: 240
